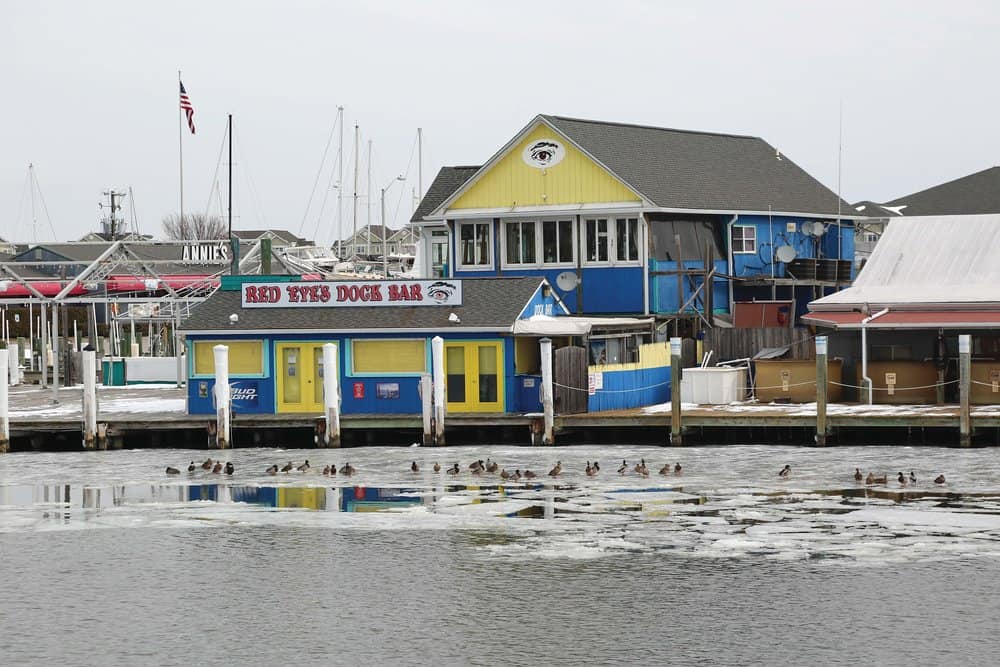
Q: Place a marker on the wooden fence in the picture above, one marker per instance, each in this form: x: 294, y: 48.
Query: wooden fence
x: 741, y: 343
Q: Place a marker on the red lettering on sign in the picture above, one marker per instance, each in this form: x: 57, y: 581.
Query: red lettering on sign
x: 415, y: 294
x: 251, y: 294
x: 273, y: 294
x: 341, y: 293
x: 293, y: 293
x: 324, y: 293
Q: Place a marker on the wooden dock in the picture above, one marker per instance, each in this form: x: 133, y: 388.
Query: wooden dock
x: 155, y: 416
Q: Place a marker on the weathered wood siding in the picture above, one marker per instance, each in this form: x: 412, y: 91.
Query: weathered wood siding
x: 742, y: 343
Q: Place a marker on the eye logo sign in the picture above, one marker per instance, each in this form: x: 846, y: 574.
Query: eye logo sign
x: 441, y: 291
x: 543, y: 153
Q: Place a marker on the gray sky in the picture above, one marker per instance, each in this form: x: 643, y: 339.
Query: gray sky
x: 91, y: 93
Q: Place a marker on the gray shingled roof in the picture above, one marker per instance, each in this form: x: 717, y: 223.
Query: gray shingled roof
x: 701, y: 170
x: 975, y: 194
x: 85, y: 253
x: 445, y: 183
x: 873, y: 209
x: 492, y: 303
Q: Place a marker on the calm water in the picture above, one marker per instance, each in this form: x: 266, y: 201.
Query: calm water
x: 109, y: 561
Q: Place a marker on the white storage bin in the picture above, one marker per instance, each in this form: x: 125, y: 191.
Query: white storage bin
x: 716, y: 385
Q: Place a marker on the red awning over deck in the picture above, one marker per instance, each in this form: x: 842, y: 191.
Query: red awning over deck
x: 909, y: 319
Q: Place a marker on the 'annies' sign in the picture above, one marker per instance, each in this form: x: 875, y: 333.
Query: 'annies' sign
x: 364, y: 293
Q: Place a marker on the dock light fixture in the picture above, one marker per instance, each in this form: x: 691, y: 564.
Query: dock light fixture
x: 454, y: 318
x: 234, y: 318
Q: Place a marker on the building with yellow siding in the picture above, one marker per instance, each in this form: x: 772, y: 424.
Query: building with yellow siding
x: 637, y: 220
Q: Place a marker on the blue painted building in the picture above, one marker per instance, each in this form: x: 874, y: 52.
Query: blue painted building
x: 275, y: 327
x: 633, y: 220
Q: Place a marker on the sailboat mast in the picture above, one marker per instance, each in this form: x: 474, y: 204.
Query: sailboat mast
x: 420, y: 162
x: 368, y: 247
x: 357, y: 139
x: 229, y: 131
x: 340, y: 176
x: 31, y: 187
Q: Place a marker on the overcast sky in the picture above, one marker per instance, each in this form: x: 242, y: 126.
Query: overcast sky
x: 91, y: 99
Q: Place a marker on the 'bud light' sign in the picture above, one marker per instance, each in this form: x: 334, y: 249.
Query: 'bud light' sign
x: 244, y: 394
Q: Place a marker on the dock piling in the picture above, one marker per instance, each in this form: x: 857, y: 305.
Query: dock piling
x: 4, y: 406
x: 13, y: 362
x: 222, y: 397
x: 437, y: 354
x: 821, y: 375
x: 427, y: 407
x: 89, y: 399
x: 675, y: 391
x: 331, y: 396
x: 548, y: 408
x: 964, y: 380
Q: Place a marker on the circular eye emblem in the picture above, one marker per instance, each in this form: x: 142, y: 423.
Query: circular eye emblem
x: 543, y: 153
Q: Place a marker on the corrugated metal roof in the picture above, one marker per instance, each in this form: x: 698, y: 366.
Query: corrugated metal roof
x: 935, y: 261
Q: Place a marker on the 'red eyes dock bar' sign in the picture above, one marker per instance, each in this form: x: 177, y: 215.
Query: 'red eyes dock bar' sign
x: 361, y: 293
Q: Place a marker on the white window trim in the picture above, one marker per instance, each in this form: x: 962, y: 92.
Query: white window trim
x: 744, y: 252
x: 612, y: 260
x: 491, y: 244
x: 539, y: 262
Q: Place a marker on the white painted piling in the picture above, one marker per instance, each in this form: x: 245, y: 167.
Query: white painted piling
x: 14, y: 359
x: 331, y: 396
x: 222, y: 397
x: 4, y: 406
x: 437, y: 357
x: 821, y: 378
x: 427, y: 406
x: 964, y: 386
x: 89, y: 372
x: 548, y: 403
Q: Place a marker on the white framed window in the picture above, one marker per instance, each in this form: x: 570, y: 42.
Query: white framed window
x: 611, y: 241
x: 557, y: 242
x: 538, y: 243
x: 597, y: 240
x: 627, y: 239
x: 744, y: 240
x: 475, y: 245
x: 871, y: 237
x: 520, y: 243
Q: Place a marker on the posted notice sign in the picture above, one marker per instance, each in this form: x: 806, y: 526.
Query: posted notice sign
x: 353, y: 293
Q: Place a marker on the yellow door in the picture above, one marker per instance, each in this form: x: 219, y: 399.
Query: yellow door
x: 474, y: 374
x: 300, y: 377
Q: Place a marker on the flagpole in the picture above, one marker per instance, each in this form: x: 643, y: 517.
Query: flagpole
x: 180, y: 148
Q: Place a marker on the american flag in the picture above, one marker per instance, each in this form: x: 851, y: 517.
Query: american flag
x: 188, y: 109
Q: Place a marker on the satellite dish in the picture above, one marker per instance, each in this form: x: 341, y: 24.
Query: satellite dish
x: 818, y: 228
x: 807, y: 228
x: 785, y: 253
x: 567, y: 281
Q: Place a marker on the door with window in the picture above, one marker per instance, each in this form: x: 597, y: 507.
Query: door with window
x: 474, y: 376
x: 300, y: 377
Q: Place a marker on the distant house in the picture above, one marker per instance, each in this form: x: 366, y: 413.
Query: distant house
x: 929, y: 279
x: 975, y: 194
x: 631, y: 219
x: 280, y: 238
x: 103, y: 237
x: 368, y: 242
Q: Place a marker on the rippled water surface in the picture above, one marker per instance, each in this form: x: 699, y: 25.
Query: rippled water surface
x: 107, y: 560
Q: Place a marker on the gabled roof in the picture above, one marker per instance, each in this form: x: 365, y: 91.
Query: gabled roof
x: 447, y: 181
x: 942, y: 262
x: 974, y: 194
x: 161, y: 253
x: 488, y: 303
x: 280, y: 234
x: 873, y: 209
x: 689, y: 170
x: 701, y: 170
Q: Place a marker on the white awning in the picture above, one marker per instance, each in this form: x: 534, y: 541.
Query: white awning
x: 546, y: 325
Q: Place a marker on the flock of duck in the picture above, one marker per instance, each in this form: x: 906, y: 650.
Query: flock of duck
x: 884, y: 479
x: 476, y: 468
x: 489, y: 466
